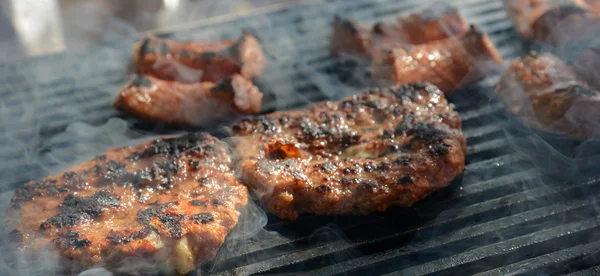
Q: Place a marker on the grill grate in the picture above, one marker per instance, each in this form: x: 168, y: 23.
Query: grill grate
x: 503, y: 217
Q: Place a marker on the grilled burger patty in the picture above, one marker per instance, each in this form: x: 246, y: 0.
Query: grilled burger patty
x: 190, y: 62
x: 172, y: 200
x: 191, y: 104
x: 367, y: 152
x: 547, y: 95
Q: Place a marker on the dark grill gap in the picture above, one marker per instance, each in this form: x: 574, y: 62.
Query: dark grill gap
x: 503, y: 216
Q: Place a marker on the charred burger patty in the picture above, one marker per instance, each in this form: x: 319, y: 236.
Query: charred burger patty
x: 172, y: 200
x: 367, y: 152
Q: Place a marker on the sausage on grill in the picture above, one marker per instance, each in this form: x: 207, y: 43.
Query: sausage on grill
x: 547, y: 95
x: 386, y: 147
x: 350, y: 37
x: 191, y: 104
x: 171, y: 201
x: 190, y: 62
x: 449, y: 64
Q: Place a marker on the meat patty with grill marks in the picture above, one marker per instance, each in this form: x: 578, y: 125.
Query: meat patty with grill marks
x: 191, y: 104
x: 172, y: 201
x: 190, y: 62
x: 385, y: 147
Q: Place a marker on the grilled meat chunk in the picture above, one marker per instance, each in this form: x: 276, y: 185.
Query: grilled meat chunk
x: 188, y: 104
x: 349, y: 37
x: 554, y: 22
x: 172, y: 200
x: 546, y: 94
x: 449, y: 64
x: 386, y: 147
x: 190, y: 62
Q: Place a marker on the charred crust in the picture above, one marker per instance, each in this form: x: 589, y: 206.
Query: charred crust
x: 117, y: 238
x: 217, y: 202
x: 203, y: 181
x: 194, y: 164
x: 404, y: 127
x: 407, y: 179
x: 203, y: 218
x: 429, y: 133
x: 33, y: 189
x: 175, y: 146
x: 76, y: 209
x: 323, y: 189
x: 439, y: 149
x: 172, y: 222
x: 145, y: 216
x: 403, y: 161
x: 367, y: 185
x: 71, y: 239
x: 384, y: 166
x: 369, y: 167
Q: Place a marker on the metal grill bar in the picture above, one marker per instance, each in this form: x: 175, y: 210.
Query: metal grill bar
x: 502, y: 217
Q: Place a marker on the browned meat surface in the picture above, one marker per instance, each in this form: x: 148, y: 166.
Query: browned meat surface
x: 554, y: 22
x: 190, y: 62
x: 172, y: 201
x: 188, y: 104
x: 349, y: 37
x: 546, y: 94
x: 386, y: 147
x: 449, y: 64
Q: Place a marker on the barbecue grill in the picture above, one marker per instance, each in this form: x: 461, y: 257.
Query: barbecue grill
x: 509, y: 213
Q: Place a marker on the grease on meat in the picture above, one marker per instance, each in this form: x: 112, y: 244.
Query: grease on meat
x: 547, y: 95
x: 191, y: 104
x: 386, y: 147
x: 450, y: 64
x: 173, y: 200
x: 189, y: 62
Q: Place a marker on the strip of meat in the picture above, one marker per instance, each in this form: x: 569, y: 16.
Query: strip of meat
x: 349, y: 37
x: 190, y: 62
x: 173, y: 201
x: 386, y: 147
x: 188, y: 104
x: 449, y: 64
x: 546, y: 95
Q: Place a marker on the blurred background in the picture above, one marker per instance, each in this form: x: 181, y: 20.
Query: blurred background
x: 38, y: 27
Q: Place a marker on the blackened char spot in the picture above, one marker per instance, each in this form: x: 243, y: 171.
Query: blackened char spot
x: 145, y: 216
x: 175, y: 146
x: 404, y: 127
x: 47, y: 187
x: 76, y: 209
x: 126, y: 237
x: 197, y: 202
x: 71, y: 239
x: 172, y: 222
x: 407, y: 179
x: 203, y: 218
x: 323, y: 189
x: 428, y: 133
x: 439, y: 149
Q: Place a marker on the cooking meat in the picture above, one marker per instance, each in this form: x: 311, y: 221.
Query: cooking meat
x: 586, y: 66
x: 188, y: 104
x: 173, y: 201
x: 349, y: 37
x: 191, y: 62
x: 547, y: 95
x: 449, y: 64
x: 386, y: 147
x: 553, y: 22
